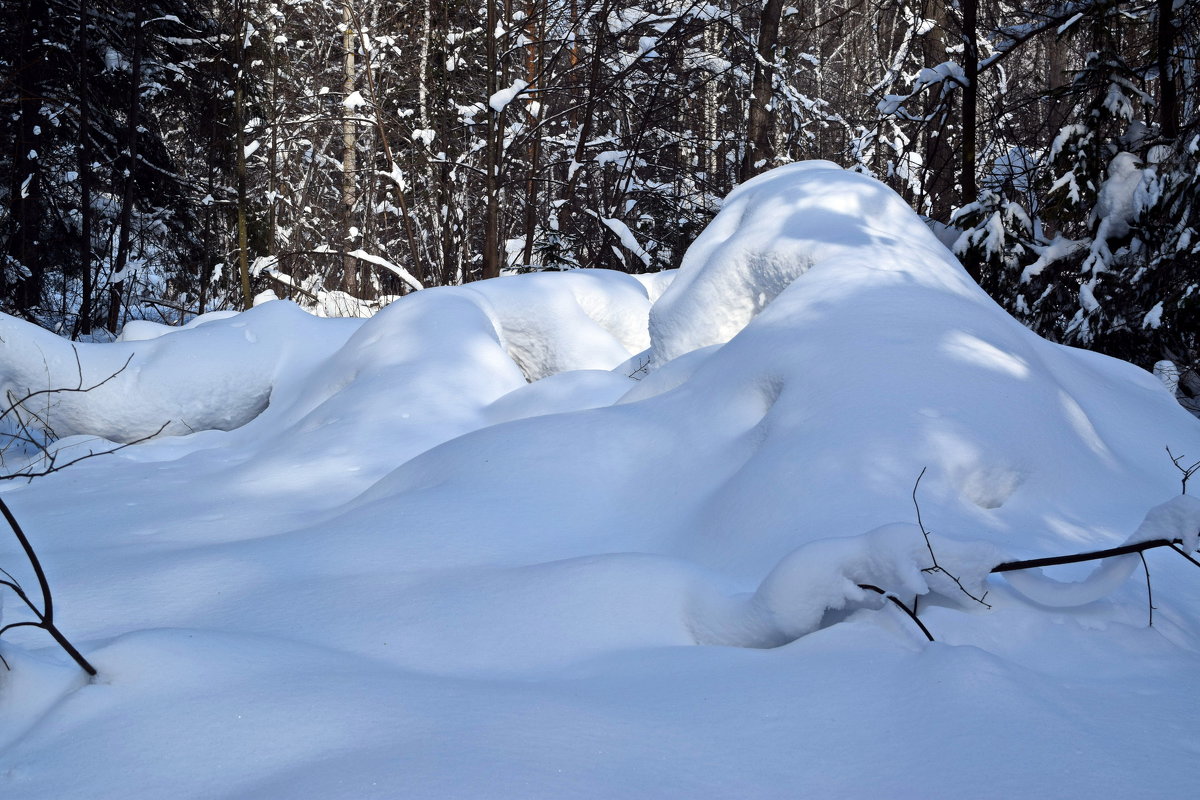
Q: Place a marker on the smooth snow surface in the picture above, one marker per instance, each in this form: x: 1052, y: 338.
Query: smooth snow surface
x: 556, y: 536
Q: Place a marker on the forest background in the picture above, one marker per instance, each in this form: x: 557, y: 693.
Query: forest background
x: 167, y: 158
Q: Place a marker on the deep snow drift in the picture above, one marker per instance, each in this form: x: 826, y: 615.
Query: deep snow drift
x: 557, y: 536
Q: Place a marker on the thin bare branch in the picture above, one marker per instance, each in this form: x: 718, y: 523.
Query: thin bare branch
x: 54, y: 466
x: 929, y: 544
x: 899, y: 604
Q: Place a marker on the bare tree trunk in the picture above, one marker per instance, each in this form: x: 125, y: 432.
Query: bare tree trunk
x: 536, y: 32
x: 24, y: 197
x: 239, y: 143
x: 1056, y: 60
x: 1168, y: 98
x: 83, y: 325
x: 970, y: 102
x: 130, y: 164
x: 349, y: 165
x: 937, y: 182
x: 423, y: 64
x: 273, y: 166
x: 970, y: 98
x: 495, y: 128
x: 758, y: 130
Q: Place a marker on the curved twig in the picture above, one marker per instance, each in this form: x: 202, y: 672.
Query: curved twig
x: 45, y: 616
x: 54, y: 466
x: 47, y: 613
x: 1149, y: 591
x: 900, y: 605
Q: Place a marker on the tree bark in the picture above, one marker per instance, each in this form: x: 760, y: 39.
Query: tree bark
x: 349, y: 157
x: 25, y: 190
x: 937, y: 183
x: 1168, y: 99
x: 759, y: 151
x: 970, y: 102
x: 536, y: 33
x: 495, y: 128
x: 239, y: 143
x: 970, y: 99
x: 130, y: 168
x: 83, y: 324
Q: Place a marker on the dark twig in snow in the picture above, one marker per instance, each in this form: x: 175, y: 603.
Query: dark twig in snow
x: 51, y: 459
x: 929, y: 544
x: 1187, y: 471
x: 900, y: 605
x: 19, y: 408
x: 1093, y: 555
x: 21, y: 403
x: 1184, y: 554
x: 1149, y: 591
x: 45, y: 615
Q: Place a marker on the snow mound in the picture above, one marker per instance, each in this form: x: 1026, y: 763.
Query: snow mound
x: 462, y: 547
x: 214, y: 375
x: 773, y: 229
x: 555, y: 322
x: 222, y: 370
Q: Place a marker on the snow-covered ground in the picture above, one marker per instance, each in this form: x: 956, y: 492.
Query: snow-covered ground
x: 558, y: 536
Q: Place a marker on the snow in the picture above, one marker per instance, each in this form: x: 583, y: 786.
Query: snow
x: 628, y: 240
x: 1153, y: 317
x: 1116, y: 204
x: 500, y: 100
x: 395, y: 269
x: 586, y: 534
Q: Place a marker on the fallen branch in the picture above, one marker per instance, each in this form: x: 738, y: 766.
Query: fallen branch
x: 51, y: 459
x: 900, y: 605
x: 1093, y: 555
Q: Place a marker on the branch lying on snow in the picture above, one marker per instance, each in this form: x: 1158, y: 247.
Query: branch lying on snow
x: 900, y: 605
x: 1093, y: 555
x: 829, y: 575
x: 50, y: 458
x: 44, y: 615
x: 1075, y: 558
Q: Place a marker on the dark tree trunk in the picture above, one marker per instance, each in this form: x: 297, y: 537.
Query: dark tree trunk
x: 129, y: 164
x: 970, y: 102
x: 937, y: 182
x: 1168, y: 99
x: 759, y: 151
x: 26, y: 204
x: 83, y: 324
x: 239, y: 144
x: 495, y: 133
x: 970, y: 98
x: 349, y: 156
